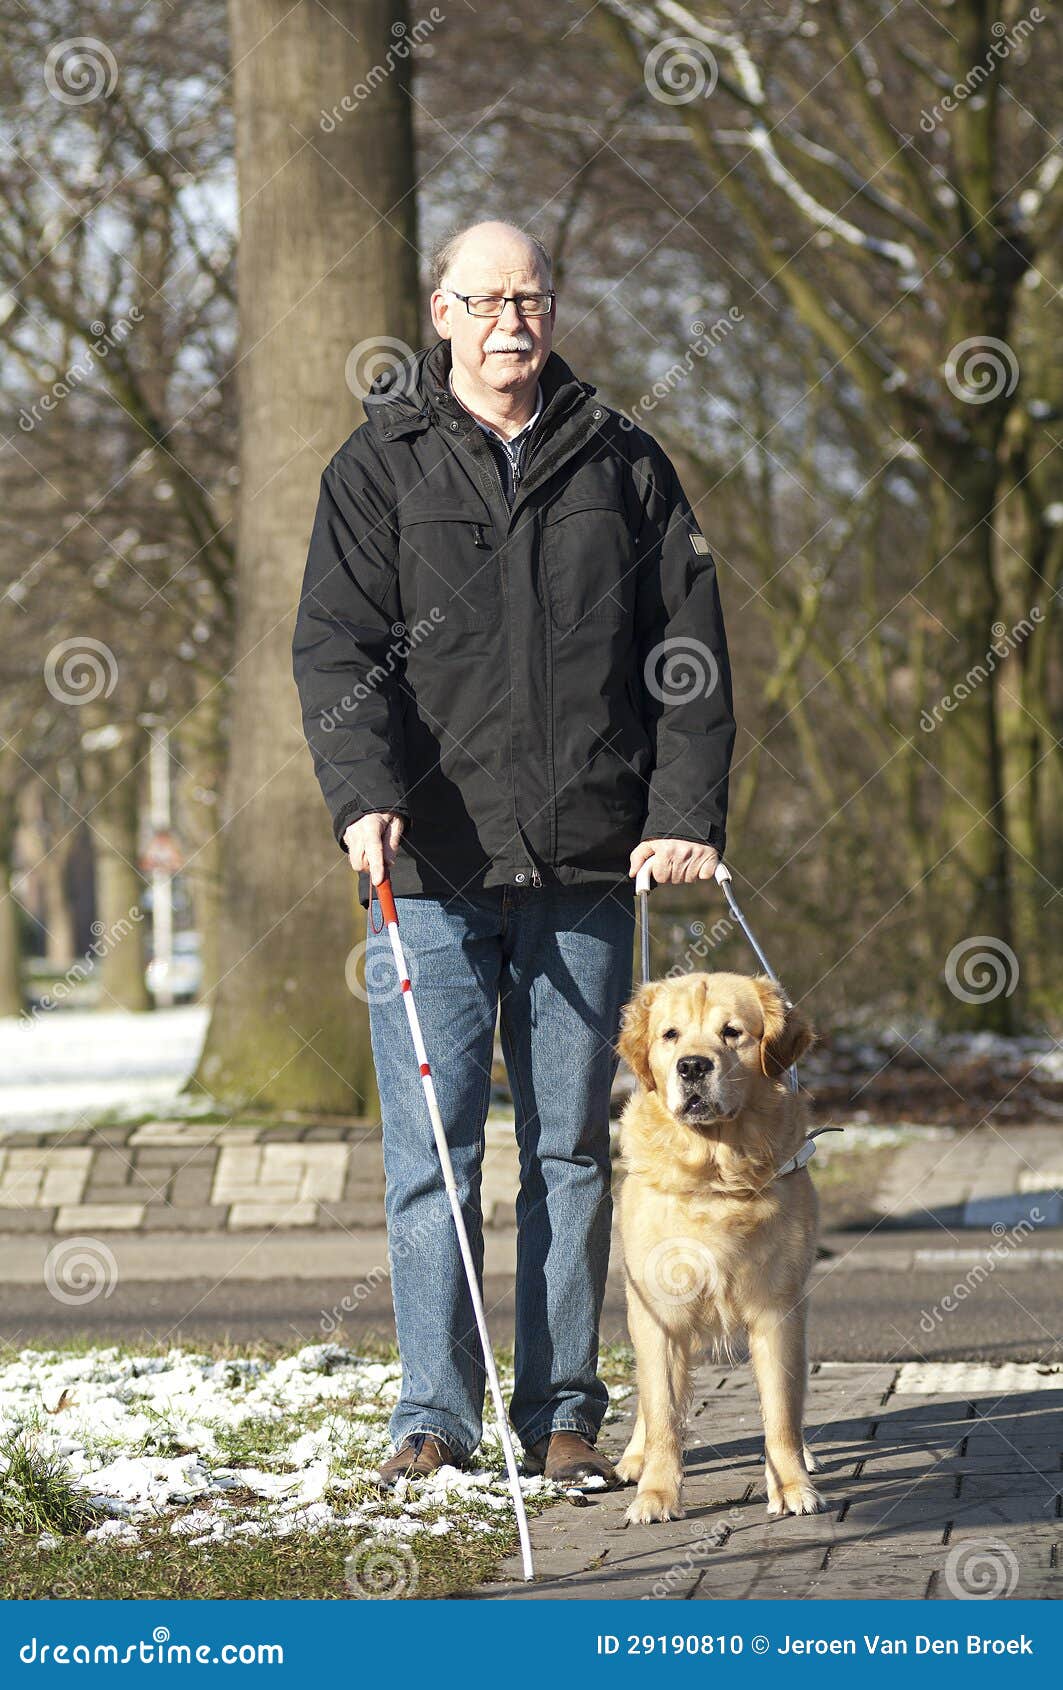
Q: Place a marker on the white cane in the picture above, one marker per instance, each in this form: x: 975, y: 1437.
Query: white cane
x: 387, y: 906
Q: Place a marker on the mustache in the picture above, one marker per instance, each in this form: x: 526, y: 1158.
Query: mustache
x: 519, y: 342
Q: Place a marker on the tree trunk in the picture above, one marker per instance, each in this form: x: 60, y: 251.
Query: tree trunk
x: 113, y: 776
x: 57, y: 914
x: 49, y: 831
x: 328, y: 262
x: 10, y: 934
x: 971, y: 883
x: 200, y: 775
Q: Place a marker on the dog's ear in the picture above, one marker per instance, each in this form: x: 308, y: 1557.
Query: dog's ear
x: 787, y: 1034
x: 635, y: 1034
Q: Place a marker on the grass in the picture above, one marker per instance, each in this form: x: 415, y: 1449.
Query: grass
x: 36, y: 1497
x: 338, y: 1565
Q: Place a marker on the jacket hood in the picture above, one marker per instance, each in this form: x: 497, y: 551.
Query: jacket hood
x: 411, y: 393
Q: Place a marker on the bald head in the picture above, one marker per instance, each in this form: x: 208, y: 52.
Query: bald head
x: 486, y: 244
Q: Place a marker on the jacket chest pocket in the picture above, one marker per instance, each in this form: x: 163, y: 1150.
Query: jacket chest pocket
x: 448, y: 567
x: 589, y: 559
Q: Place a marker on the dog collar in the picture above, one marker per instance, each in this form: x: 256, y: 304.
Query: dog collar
x: 806, y: 1152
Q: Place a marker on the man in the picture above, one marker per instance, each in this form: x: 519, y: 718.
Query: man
x: 512, y: 663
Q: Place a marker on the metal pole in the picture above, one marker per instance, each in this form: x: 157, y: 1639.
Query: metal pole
x: 161, y: 879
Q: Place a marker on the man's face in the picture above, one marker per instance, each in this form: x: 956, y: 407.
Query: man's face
x: 504, y: 353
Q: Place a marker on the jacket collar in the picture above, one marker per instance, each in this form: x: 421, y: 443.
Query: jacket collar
x: 414, y: 393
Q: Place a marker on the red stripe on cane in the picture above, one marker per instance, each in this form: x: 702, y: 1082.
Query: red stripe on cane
x: 405, y: 985
x: 425, y: 1068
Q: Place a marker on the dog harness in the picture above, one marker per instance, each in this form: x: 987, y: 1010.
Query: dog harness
x: 806, y: 1152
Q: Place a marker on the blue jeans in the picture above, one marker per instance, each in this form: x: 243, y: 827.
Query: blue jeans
x: 558, y: 960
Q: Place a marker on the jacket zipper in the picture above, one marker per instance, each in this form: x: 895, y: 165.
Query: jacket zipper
x: 480, y: 540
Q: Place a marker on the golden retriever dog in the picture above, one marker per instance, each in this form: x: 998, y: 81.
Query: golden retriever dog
x: 714, y: 1243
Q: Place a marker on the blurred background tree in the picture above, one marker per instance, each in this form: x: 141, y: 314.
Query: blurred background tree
x: 813, y: 249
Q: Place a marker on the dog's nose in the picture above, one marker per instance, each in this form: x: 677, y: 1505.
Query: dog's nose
x: 694, y: 1068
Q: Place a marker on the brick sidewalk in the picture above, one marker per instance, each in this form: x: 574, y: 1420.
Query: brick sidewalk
x: 942, y: 1482
x: 178, y: 1176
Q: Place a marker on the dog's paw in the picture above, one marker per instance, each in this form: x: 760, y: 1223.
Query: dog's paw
x: 629, y: 1467
x: 801, y: 1497
x: 812, y: 1461
x: 651, y: 1505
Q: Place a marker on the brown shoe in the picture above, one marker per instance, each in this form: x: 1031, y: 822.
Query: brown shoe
x: 418, y: 1454
x: 569, y: 1460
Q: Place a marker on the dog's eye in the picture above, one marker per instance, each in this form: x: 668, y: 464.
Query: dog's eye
x: 670, y: 1033
x: 732, y: 1032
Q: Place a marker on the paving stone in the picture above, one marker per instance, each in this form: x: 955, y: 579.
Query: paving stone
x: 925, y: 1507
x: 99, y: 1217
x: 111, y: 1167
x: 205, y: 1217
x: 109, y: 1195
x: 913, y: 1461
x: 255, y: 1191
x: 792, y: 1580
x: 26, y: 1220
x: 113, y: 1135
x: 1021, y: 1499
x: 876, y: 1570
x: 51, y: 1157
x: 367, y: 1215
x: 142, y: 1182
x: 256, y: 1214
x: 20, y: 1190
x: 165, y: 1136
x: 1030, y: 1587
x: 153, y: 1157
x: 192, y: 1185
x: 991, y: 1440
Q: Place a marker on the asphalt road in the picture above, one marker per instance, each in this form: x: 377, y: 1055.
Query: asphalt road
x: 889, y: 1309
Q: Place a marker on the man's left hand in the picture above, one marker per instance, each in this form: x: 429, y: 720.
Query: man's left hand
x: 675, y: 861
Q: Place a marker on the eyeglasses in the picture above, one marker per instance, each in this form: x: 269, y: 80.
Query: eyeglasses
x: 493, y: 304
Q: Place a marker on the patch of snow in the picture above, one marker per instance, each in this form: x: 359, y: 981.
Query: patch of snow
x: 142, y: 1438
x: 975, y: 1378
x: 62, y: 1066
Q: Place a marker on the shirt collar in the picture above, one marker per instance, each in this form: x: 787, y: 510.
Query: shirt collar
x: 487, y: 427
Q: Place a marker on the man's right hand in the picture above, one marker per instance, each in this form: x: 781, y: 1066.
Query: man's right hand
x: 373, y: 843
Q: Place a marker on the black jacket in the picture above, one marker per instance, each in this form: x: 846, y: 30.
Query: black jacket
x: 497, y: 675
